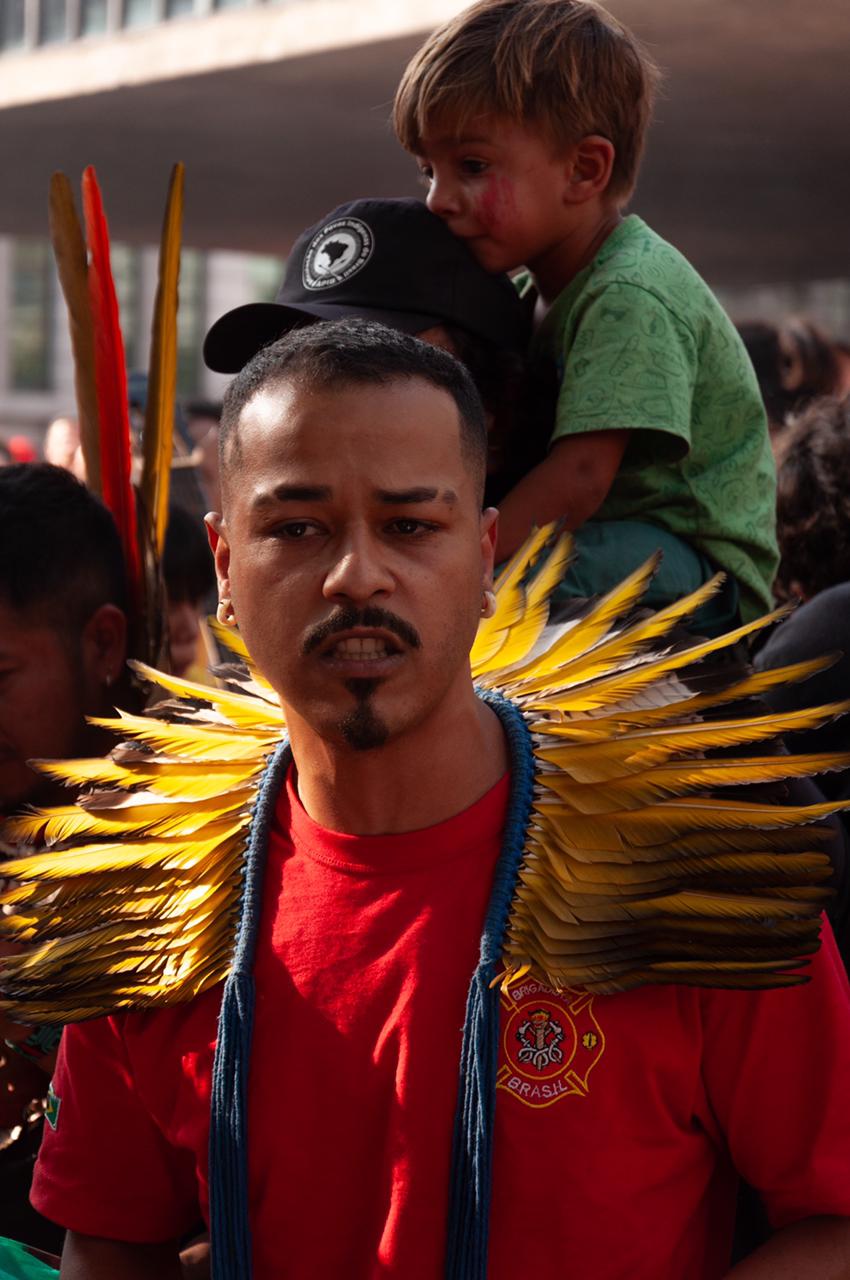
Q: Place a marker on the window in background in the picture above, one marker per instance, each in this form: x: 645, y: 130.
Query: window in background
x: 140, y: 13
x: 179, y: 8
x: 127, y: 272
x: 31, y: 318
x: 11, y: 24
x: 264, y: 276
x: 191, y: 321
x: 53, y: 22
x: 230, y: 4
x: 92, y: 17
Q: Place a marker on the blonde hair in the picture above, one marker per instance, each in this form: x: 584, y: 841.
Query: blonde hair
x: 566, y: 67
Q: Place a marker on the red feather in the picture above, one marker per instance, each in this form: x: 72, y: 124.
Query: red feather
x: 111, y: 382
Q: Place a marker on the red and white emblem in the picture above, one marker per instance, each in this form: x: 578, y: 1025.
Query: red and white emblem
x: 551, y: 1042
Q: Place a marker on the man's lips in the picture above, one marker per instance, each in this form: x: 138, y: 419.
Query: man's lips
x: 361, y: 649
x: 361, y: 625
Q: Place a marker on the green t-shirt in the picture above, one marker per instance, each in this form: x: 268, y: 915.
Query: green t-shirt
x: 640, y: 342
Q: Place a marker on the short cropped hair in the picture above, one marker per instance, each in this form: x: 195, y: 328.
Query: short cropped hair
x: 813, y: 499
x: 343, y: 353
x: 62, y: 555
x: 564, y: 67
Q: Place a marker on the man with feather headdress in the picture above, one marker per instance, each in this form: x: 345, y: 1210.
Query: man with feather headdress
x: 606, y: 1094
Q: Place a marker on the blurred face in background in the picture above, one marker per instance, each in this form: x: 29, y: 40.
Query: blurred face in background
x: 50, y: 680
x: 184, y: 633
x: 62, y: 445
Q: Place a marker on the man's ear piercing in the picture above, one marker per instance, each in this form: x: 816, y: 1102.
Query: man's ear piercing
x: 225, y: 612
x: 488, y: 607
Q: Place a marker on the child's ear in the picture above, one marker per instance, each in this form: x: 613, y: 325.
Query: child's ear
x: 592, y: 163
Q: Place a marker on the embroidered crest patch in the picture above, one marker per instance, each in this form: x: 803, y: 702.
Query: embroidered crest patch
x: 551, y: 1041
x: 336, y: 253
x: 51, y: 1107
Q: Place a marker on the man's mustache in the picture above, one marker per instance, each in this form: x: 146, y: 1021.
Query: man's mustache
x: 348, y: 619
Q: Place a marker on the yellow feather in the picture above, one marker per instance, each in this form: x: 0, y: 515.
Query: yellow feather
x: 638, y: 789
x: 162, y: 378
x: 190, y: 741
x: 510, y: 602
x: 229, y: 638
x: 84, y: 859
x: 581, y: 637
x: 625, y: 644
x: 520, y: 635
x: 549, y: 575
x: 239, y: 708
x: 657, y: 744
x: 698, y: 842
x: 619, y: 685
x: 78, y: 773
x: 677, y: 819
x: 692, y: 706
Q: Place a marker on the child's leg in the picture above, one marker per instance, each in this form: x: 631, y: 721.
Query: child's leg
x: 607, y: 551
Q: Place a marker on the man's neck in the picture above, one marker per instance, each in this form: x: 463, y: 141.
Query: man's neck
x: 559, y: 265
x: 416, y: 780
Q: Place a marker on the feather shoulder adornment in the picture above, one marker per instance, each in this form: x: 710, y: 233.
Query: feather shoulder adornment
x: 646, y: 857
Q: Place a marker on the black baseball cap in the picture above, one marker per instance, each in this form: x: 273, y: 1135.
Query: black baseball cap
x: 387, y: 260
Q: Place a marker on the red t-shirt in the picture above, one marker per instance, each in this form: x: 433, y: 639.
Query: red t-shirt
x: 618, y: 1118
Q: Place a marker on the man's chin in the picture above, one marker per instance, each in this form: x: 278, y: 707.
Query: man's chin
x: 363, y: 728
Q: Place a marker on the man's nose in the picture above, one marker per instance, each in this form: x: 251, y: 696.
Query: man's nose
x: 359, y: 571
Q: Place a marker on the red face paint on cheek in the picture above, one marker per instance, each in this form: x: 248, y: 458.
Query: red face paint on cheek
x: 496, y: 204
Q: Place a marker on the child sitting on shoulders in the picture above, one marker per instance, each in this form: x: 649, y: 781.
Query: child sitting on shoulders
x: 527, y: 118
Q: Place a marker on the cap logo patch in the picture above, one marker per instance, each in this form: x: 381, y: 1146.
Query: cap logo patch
x: 336, y: 253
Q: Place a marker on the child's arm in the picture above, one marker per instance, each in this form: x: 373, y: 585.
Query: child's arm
x: 570, y: 484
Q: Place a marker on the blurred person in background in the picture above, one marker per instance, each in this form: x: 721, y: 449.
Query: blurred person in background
x: 795, y: 362
x: 5, y: 455
x: 22, y: 449
x: 813, y: 501
x: 62, y: 625
x: 813, y: 511
x: 202, y: 419
x: 62, y: 446
x: 189, y: 573
x: 62, y: 658
x: 842, y: 355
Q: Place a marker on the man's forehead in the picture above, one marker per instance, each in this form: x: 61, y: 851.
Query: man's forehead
x: 289, y: 400
x: 395, y: 432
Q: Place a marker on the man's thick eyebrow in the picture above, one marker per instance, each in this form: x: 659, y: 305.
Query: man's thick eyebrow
x: 402, y: 497
x: 294, y: 493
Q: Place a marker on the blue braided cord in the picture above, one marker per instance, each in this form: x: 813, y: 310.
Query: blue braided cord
x: 471, y: 1173
x: 230, y: 1231
x: 472, y: 1144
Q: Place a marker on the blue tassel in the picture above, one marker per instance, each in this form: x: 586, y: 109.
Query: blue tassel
x: 472, y: 1156
x: 472, y: 1145
x: 230, y: 1232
